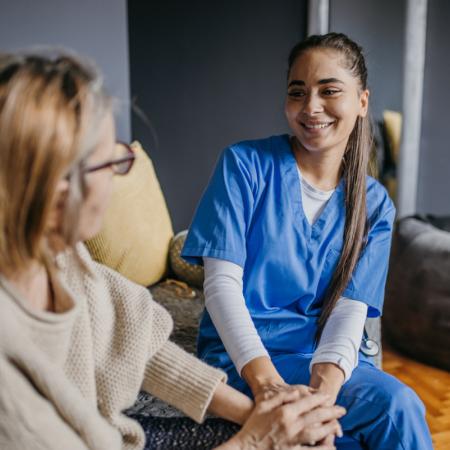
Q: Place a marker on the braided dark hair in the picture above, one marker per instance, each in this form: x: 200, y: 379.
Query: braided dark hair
x: 354, y: 169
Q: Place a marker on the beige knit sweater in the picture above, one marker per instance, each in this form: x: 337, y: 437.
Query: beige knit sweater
x: 66, y: 377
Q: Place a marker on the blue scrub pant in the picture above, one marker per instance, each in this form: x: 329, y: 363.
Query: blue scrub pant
x: 382, y: 412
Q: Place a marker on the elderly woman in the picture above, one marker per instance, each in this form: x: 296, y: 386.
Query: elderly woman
x: 77, y: 340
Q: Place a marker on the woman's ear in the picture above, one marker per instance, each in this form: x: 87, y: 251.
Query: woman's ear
x: 59, y: 203
x: 364, y: 103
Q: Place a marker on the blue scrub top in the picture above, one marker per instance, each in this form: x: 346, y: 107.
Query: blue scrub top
x: 251, y: 214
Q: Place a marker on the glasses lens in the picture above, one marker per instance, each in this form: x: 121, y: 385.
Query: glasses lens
x: 125, y: 159
x: 122, y: 168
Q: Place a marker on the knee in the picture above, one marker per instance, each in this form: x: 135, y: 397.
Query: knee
x: 405, y: 420
x: 403, y: 400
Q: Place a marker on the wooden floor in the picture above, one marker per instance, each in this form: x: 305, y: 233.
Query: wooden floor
x: 433, y: 387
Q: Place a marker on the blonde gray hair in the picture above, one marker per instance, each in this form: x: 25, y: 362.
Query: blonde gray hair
x: 50, y: 110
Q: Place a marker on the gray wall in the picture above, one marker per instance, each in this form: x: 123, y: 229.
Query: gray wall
x: 379, y: 27
x: 434, y: 169
x: 207, y: 74
x: 95, y: 28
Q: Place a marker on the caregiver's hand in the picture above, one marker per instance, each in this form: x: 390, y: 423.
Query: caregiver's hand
x: 265, y: 381
x: 303, y: 391
x: 267, y: 391
x: 262, y: 376
x: 288, y: 421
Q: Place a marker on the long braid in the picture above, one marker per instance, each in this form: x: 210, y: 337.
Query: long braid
x: 354, y: 171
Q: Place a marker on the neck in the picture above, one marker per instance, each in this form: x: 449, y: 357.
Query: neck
x: 322, y: 169
x: 33, y: 284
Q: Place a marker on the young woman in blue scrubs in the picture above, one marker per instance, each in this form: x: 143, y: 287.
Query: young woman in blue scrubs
x: 295, y: 238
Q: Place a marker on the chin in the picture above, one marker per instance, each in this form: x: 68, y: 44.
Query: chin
x: 314, y: 147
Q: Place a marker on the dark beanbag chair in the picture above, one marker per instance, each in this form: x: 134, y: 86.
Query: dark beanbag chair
x: 417, y: 306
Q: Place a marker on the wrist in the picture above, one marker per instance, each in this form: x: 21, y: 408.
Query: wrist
x: 264, y: 383
x: 232, y: 444
x: 260, y: 373
x: 327, y: 378
x: 243, y: 411
x: 239, y: 441
x: 235, y: 443
x: 230, y: 404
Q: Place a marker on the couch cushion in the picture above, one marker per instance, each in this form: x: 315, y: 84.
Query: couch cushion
x: 137, y: 229
x: 417, y: 308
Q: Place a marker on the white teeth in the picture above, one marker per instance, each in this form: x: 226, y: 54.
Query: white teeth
x: 317, y: 126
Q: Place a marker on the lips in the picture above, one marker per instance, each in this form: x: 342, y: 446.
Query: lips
x: 316, y: 125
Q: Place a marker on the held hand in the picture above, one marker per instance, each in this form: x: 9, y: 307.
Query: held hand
x: 329, y: 440
x: 268, y: 390
x: 289, y: 421
x: 321, y: 426
x: 265, y: 381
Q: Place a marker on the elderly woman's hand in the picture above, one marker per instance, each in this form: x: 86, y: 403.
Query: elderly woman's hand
x: 289, y: 420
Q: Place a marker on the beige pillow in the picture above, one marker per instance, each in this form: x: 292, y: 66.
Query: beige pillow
x: 137, y: 229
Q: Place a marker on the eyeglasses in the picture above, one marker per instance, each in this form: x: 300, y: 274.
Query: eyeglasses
x: 121, y: 165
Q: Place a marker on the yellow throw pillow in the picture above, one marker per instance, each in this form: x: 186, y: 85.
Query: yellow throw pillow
x: 137, y: 229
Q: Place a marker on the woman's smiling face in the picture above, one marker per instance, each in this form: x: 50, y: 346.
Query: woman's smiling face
x: 323, y: 100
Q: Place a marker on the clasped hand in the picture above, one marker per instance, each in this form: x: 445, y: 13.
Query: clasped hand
x: 291, y: 417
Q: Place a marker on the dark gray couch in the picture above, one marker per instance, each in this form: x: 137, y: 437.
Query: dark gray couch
x: 417, y: 308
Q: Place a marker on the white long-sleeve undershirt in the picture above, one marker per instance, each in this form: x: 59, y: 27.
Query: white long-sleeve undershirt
x: 342, y: 334
x: 224, y: 299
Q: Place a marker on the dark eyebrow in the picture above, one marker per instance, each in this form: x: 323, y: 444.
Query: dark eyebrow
x: 324, y: 81
x: 330, y: 80
x: 296, y: 83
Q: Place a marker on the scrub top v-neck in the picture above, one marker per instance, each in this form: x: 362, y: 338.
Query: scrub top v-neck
x: 252, y: 215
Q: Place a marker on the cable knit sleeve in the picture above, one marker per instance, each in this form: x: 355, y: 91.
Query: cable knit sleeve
x: 120, y: 307
x: 131, y: 333
x: 182, y: 380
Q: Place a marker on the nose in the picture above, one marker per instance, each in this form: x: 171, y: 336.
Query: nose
x: 312, y: 104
